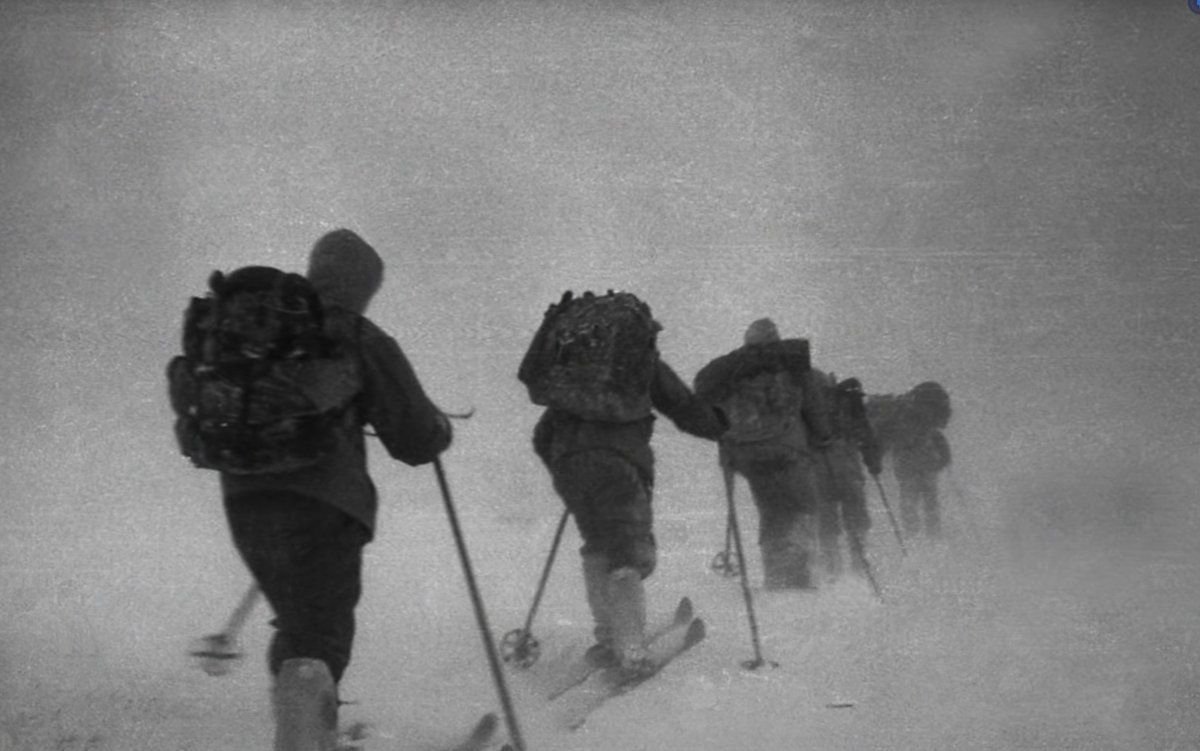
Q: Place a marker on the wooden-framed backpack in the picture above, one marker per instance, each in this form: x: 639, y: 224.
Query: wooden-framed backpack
x: 594, y: 356
x: 260, y: 388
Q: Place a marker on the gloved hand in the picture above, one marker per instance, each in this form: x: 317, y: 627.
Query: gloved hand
x: 444, y: 427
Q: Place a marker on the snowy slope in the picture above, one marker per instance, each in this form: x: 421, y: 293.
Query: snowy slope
x: 1002, y: 637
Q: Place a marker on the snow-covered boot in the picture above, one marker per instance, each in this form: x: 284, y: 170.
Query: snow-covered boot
x: 595, y: 580
x: 627, y: 610
x: 305, y: 699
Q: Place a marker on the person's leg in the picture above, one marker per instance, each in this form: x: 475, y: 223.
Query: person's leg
x: 787, y: 521
x: 830, y: 498
x: 932, y: 506
x: 910, y: 504
x: 595, y: 581
x: 857, y: 523
x: 612, y: 507
x: 306, y: 556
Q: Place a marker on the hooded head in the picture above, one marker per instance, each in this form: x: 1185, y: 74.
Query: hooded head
x: 851, y: 385
x: 762, y: 331
x: 345, y: 270
x: 931, y: 403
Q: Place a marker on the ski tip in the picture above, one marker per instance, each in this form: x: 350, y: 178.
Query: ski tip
x: 696, y: 632
x: 685, y: 611
x: 481, y: 736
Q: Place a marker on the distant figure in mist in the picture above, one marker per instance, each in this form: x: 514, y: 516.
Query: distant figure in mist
x: 594, y: 364
x: 843, y: 507
x: 779, y: 426
x: 910, y: 429
x: 280, y: 375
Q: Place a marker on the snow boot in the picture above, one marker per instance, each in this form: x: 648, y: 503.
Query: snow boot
x: 627, y: 612
x: 595, y: 580
x: 305, y: 699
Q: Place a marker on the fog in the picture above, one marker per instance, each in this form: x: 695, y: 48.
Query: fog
x: 996, y: 196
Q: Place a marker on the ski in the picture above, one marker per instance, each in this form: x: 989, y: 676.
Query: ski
x: 580, y: 672
x: 608, y: 683
x: 480, y: 736
x: 360, y: 736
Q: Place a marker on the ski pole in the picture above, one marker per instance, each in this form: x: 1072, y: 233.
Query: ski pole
x: 519, y: 645
x: 510, y: 717
x: 856, y: 543
x: 860, y: 555
x: 215, y: 653
x: 891, y: 517
x: 722, y: 563
x: 758, y: 660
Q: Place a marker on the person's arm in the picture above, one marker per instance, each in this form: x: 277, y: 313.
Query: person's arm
x: 713, y: 381
x: 543, y: 436
x: 942, y: 448
x: 816, y: 409
x: 671, y: 396
x: 410, y: 426
x: 869, y: 446
x: 861, y: 432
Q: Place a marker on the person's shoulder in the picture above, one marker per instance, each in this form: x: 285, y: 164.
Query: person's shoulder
x: 346, y: 325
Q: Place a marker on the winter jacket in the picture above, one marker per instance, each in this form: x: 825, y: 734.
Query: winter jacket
x: 346, y: 272
x: 559, y: 434
x: 717, y: 380
x: 922, y: 453
x: 851, y: 428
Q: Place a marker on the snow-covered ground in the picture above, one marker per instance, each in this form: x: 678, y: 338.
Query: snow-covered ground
x: 1016, y: 632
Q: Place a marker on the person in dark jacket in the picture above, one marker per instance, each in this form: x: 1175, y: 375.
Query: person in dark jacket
x: 843, y: 500
x: 604, y: 473
x: 302, y: 534
x: 779, y: 427
x: 910, y: 427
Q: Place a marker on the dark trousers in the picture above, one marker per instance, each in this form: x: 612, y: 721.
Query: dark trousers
x: 307, y: 558
x: 919, y: 498
x: 783, y: 486
x: 611, y: 503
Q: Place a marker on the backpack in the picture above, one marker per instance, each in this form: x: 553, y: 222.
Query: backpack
x: 594, y: 356
x: 259, y: 387
x: 760, y: 396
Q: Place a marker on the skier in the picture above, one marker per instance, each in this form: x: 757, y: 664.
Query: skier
x: 843, y: 501
x: 603, y: 469
x: 910, y: 428
x: 301, y: 532
x: 779, y: 426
